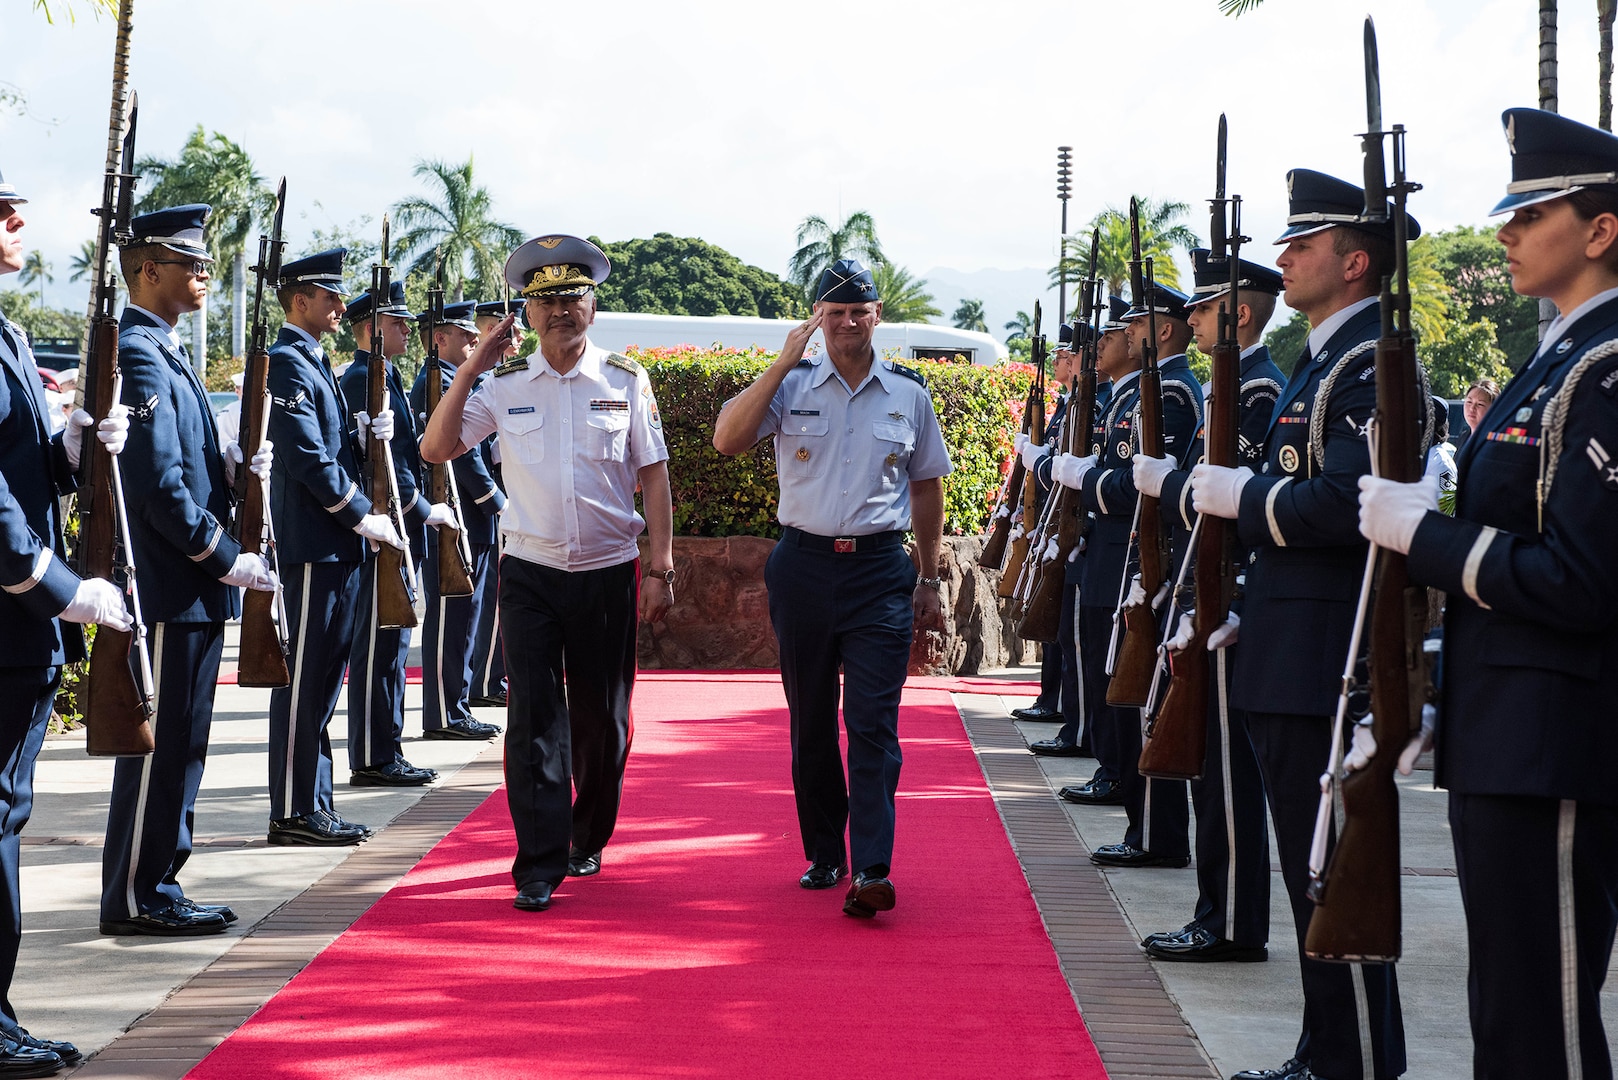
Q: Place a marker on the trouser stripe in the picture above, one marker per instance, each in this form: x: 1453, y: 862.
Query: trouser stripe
x: 145, y: 773
x: 1221, y: 676
x: 1567, y: 817
x: 297, y: 683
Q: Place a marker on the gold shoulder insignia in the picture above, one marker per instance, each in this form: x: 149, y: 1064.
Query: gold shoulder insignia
x: 618, y: 360
x: 506, y: 367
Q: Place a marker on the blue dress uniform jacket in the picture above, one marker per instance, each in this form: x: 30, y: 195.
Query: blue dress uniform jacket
x: 1261, y: 383
x: 315, y: 496
x: 355, y: 386
x: 481, y: 498
x: 174, y: 482
x: 1301, y: 511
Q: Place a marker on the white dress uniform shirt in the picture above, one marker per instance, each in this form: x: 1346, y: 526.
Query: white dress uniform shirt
x: 846, y: 455
x: 571, y: 447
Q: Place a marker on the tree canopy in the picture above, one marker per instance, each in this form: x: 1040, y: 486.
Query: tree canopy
x: 1161, y: 232
x: 904, y: 299
x: 969, y: 316
x: 820, y: 245
x: 460, y: 222
x: 672, y: 275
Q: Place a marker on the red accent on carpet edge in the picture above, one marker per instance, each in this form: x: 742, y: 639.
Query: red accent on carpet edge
x: 954, y: 684
x: 695, y: 953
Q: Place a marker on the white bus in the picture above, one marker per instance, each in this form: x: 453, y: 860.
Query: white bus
x: 617, y: 330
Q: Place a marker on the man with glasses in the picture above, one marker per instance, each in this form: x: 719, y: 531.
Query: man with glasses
x: 177, y: 482
x: 579, y: 430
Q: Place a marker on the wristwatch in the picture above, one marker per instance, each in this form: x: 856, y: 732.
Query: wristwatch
x: 931, y: 582
x: 667, y: 576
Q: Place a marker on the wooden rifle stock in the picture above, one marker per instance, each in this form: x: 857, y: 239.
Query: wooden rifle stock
x: 994, y: 548
x: 454, y: 552
x: 1035, y: 419
x: 1137, y: 656
x: 395, y: 592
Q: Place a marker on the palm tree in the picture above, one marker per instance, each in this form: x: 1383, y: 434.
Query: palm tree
x: 96, y: 7
x: 461, y: 224
x: 904, y: 299
x: 1021, y: 327
x: 1160, y: 233
x: 820, y: 245
x: 36, y: 269
x: 969, y: 316
x: 84, y: 263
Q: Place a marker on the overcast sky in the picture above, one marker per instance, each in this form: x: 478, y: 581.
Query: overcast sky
x: 732, y: 120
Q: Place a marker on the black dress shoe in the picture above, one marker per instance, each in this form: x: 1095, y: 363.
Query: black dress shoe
x: 317, y: 829
x: 1095, y: 793
x: 392, y: 774
x: 536, y: 897
x: 1128, y: 855
x: 1149, y: 938
x: 65, y: 1050
x: 222, y: 910
x: 491, y: 701
x: 1037, y: 712
x: 823, y: 875
x: 462, y: 729
x: 580, y: 865
x: 172, y: 921
x: 1054, y: 748
x: 365, y: 831
x: 18, y: 1059
x: 868, y: 895
x: 1197, y: 946
x: 1292, y: 1070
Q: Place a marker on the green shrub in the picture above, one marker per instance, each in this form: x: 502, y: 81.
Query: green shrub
x: 978, y: 408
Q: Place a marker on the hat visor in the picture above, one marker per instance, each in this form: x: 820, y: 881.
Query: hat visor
x: 1307, y: 228
x: 200, y: 254
x: 12, y: 197
x: 1513, y: 203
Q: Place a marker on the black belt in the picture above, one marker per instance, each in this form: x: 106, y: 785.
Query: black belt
x: 842, y: 545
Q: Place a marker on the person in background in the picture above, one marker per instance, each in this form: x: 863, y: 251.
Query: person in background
x: 1441, y: 456
x: 1479, y: 396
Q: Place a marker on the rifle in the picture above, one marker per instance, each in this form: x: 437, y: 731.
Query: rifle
x: 264, y: 648
x: 395, y: 571
x: 454, y: 551
x: 1356, y: 889
x: 118, y: 693
x: 1176, y: 744
x: 1035, y: 420
x: 1042, y: 619
x: 1137, y: 659
x: 994, y: 548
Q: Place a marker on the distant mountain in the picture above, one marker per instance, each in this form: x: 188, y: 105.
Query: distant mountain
x: 1003, y: 292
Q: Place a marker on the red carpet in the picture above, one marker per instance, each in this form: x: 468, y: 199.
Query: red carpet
x: 695, y: 953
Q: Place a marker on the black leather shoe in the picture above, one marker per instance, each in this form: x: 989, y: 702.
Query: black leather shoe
x: 185, y: 903
x: 536, y: 897
x: 580, y: 865
x: 1149, y: 938
x: 172, y: 921
x: 317, y: 828
x: 1196, y: 945
x: 823, y: 875
x: 392, y: 774
x: 1054, y: 748
x: 1292, y: 1070
x: 868, y: 895
x: 365, y: 831
x: 1095, y: 793
x: 18, y: 1059
x: 65, y: 1050
x: 493, y: 701
x: 462, y: 729
x: 1127, y: 855
x: 1037, y: 712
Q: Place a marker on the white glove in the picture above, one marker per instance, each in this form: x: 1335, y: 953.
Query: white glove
x: 251, y: 572
x: 262, y: 461
x: 379, y: 530
x: 1031, y: 453
x: 439, y: 514
x: 1183, y: 633
x: 1362, y: 748
x: 1226, y: 634
x: 382, y: 425
x: 113, y: 432
x: 1364, y: 745
x: 1069, y: 470
x: 1390, y: 511
x: 1217, y: 490
x: 1150, y: 472
x: 1137, y: 594
x: 1019, y: 443
x: 98, y: 600
x: 232, y: 453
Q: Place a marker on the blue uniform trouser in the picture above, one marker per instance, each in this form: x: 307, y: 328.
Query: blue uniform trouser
x: 851, y: 609
x: 376, y: 682
x: 1233, y: 837
x: 1539, y: 881
x: 320, y: 601
x: 572, y: 670
x: 26, y: 696
x: 1050, y: 675
x: 1074, y: 729
x: 447, y: 636
x: 154, y: 798
x: 1292, y: 751
x: 1095, y: 629
x: 488, y: 649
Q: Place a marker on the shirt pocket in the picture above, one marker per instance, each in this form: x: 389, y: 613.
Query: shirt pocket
x: 804, y: 446
x: 893, y: 444
x: 609, y: 435
x: 522, y: 438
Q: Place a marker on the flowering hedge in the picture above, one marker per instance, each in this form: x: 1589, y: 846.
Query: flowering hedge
x: 729, y: 496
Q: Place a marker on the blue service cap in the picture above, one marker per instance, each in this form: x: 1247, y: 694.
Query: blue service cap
x: 1317, y: 202
x: 324, y: 268
x: 8, y: 193
x: 1064, y: 336
x: 178, y: 228
x: 846, y: 282
x: 1117, y: 308
x: 461, y: 313
x: 1213, y: 277
x: 359, y: 308
x: 1552, y: 156
x: 557, y: 265
x: 1075, y: 335
x: 1166, y: 303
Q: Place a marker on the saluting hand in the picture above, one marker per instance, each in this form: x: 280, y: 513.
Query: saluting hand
x: 491, y: 347
x: 798, y: 340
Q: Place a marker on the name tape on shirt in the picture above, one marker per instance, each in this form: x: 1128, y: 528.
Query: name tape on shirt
x: 520, y: 410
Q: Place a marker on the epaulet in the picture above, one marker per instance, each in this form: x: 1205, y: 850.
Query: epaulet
x: 907, y: 372
x: 506, y: 367
x: 618, y: 360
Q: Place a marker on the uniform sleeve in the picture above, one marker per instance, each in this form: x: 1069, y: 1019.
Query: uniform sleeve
x: 1258, y: 406
x: 476, y: 486
x: 413, y: 501
x: 771, y: 424
x: 930, y: 459
x: 1175, y: 498
x: 1321, y: 510
x: 478, y: 416
x: 646, y: 445
x: 300, y: 446
x: 29, y: 569
x: 153, y: 467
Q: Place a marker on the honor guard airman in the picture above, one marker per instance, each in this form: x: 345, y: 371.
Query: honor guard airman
x: 488, y: 651
x: 449, y: 630
x: 579, y: 430
x: 860, y: 459
x: 177, y: 485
